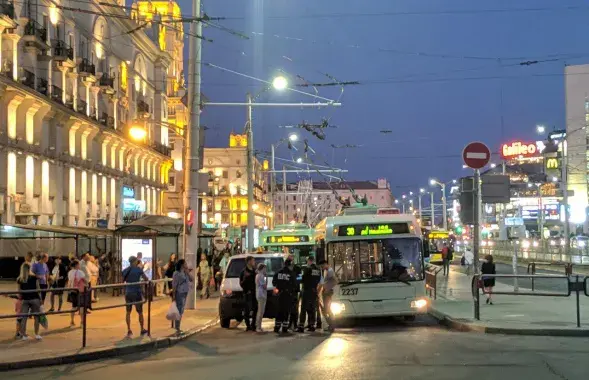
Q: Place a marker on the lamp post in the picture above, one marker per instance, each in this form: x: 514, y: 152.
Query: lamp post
x: 421, y: 193
x: 433, y: 182
x: 293, y: 137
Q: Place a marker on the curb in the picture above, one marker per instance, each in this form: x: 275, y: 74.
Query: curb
x: 155, y: 344
x: 463, y: 326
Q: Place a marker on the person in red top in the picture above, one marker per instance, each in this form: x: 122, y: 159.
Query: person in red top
x: 446, y: 259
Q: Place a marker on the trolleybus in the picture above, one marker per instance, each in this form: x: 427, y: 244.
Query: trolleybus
x: 296, y: 239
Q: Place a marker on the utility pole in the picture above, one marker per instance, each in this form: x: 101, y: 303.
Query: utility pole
x: 444, y: 208
x: 420, y: 216
x: 432, y: 209
x: 272, y: 189
x: 284, y: 194
x: 192, y: 161
x: 565, y: 193
x: 476, y: 227
x: 250, y: 176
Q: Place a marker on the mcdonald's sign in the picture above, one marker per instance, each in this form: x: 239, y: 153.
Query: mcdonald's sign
x: 552, y: 164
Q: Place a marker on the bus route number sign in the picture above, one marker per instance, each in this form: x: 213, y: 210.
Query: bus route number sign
x: 373, y: 229
x: 287, y: 239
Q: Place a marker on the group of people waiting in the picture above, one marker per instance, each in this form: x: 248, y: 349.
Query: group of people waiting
x: 36, y: 278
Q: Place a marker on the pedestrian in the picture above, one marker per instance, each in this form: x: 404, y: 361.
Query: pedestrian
x: 217, y: 256
x: 29, y: 258
x: 31, y: 301
x: 105, y: 265
x: 225, y: 261
x: 204, y: 273
x: 261, y: 295
x: 294, y: 310
x: 446, y: 259
x: 487, y: 268
x: 169, y: 270
x: 181, y: 280
x: 311, y: 280
x: 328, y: 283
x: 41, y: 272
x: 58, y: 281
x: 468, y: 260
x: 94, y: 272
x: 77, y: 280
x: 134, y: 294
x: 284, y: 282
x: 247, y: 281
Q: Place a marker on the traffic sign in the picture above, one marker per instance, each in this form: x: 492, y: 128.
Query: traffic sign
x: 476, y: 155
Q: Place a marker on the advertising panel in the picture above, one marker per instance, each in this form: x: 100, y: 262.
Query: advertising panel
x: 140, y: 248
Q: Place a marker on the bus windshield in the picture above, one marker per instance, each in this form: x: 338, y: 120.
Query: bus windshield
x: 395, y: 260
x: 300, y: 252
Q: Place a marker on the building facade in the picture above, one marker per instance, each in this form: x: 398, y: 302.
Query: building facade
x: 311, y: 201
x: 74, y: 86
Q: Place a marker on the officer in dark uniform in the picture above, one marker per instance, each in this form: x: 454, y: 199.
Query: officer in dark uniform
x: 311, y: 279
x: 294, y: 311
x: 284, y: 282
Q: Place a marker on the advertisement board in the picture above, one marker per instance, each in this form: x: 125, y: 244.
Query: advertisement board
x: 140, y: 248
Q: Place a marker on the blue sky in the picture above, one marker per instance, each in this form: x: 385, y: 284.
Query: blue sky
x: 434, y: 72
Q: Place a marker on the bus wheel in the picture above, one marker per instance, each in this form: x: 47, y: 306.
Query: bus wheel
x: 409, y: 318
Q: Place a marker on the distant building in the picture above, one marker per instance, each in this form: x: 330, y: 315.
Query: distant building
x: 317, y: 200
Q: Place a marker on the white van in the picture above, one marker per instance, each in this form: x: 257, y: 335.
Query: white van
x: 231, y: 300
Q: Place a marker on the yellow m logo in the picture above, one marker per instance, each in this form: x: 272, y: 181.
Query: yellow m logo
x: 551, y: 163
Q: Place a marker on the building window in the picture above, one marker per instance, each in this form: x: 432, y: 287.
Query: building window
x: 238, y: 204
x: 172, y: 180
x: 225, y: 174
x: 225, y: 204
x: 286, y: 208
x: 225, y: 218
x: 382, y: 197
x: 279, y: 208
x: 210, y: 205
x: 294, y: 198
x: 238, y: 218
x: 238, y: 162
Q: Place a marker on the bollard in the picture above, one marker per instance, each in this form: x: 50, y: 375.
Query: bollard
x: 568, y: 269
x: 149, y: 297
x: 84, y: 298
x: 577, y: 288
x: 533, y: 272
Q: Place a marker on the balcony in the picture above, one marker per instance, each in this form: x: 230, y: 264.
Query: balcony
x: 107, y: 83
x: 107, y: 121
x: 7, y: 14
x: 42, y: 86
x: 56, y: 94
x: 92, y: 113
x: 163, y: 149
x: 28, y: 79
x: 35, y: 35
x: 142, y: 107
x: 85, y: 68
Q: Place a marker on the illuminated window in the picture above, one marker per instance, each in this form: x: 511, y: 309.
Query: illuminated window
x: 124, y: 74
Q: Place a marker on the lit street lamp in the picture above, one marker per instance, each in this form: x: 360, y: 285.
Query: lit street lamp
x: 137, y: 133
x: 540, y: 129
x: 433, y: 182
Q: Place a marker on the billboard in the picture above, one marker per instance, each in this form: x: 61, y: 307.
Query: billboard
x: 140, y: 248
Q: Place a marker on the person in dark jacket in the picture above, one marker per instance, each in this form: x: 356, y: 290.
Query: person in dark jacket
x: 311, y: 279
x: 247, y: 281
x: 31, y: 301
x: 284, y: 282
x: 296, y: 300
x: 488, y: 267
x: 58, y: 281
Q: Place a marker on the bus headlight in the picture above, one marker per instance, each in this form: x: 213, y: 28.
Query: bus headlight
x: 337, y: 308
x: 418, y: 304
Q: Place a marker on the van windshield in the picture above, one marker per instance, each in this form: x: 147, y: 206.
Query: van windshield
x: 273, y: 265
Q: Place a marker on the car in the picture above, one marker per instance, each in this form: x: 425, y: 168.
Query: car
x: 231, y: 300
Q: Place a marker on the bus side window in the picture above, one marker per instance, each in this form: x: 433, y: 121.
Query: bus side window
x: 425, y: 248
x: 320, y: 251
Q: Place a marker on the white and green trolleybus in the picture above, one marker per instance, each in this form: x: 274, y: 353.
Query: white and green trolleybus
x: 378, y: 260
x: 296, y: 238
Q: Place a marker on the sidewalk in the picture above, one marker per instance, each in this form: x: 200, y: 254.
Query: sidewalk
x: 524, y: 315
x: 105, y: 333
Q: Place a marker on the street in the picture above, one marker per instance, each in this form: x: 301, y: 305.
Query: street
x: 372, y: 349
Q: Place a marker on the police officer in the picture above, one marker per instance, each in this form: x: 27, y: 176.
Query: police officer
x: 294, y: 311
x: 284, y: 282
x: 311, y: 279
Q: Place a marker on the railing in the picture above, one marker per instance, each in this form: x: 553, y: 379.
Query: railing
x: 107, y: 81
x: 28, y: 78
x: 568, y: 269
x: 573, y: 285
x: 61, y: 49
x: 431, y: 279
x: 163, y: 149
x: 56, y: 93
x: 110, y: 122
x: 33, y: 28
x: 86, y: 67
x: 42, y: 86
x: 7, y: 8
x: 93, y: 112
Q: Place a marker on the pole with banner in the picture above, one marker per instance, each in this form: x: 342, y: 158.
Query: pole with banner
x: 476, y: 155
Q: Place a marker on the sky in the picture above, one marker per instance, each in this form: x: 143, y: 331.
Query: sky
x: 436, y: 73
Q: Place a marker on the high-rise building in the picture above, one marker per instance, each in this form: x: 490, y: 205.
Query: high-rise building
x: 84, y: 110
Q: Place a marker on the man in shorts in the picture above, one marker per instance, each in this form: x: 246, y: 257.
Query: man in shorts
x: 134, y: 293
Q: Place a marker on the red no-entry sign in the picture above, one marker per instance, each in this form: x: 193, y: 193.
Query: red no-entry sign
x: 476, y: 155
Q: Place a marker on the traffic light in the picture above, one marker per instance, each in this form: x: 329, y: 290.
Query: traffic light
x: 458, y: 230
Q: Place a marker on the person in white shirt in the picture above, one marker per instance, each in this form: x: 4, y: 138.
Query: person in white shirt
x: 93, y: 272
x: 469, y: 260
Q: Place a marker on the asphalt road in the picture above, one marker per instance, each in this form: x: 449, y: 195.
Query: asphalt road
x: 374, y: 349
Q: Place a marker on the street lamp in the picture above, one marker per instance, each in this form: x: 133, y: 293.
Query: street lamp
x: 433, y: 182
x: 280, y: 83
x: 137, y: 133
x: 540, y: 129
x: 299, y: 160
x: 293, y: 137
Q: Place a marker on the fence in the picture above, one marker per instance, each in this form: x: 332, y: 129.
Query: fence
x: 568, y: 269
x: 149, y: 295
x: 431, y: 279
x: 536, y: 251
x: 573, y: 285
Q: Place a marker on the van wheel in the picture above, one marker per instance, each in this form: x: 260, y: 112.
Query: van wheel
x: 225, y: 322
x: 409, y: 318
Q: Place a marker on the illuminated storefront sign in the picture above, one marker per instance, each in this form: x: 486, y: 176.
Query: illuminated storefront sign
x: 287, y: 239
x: 374, y: 229
x: 128, y: 192
x: 552, y: 164
x: 133, y: 205
x: 519, y: 149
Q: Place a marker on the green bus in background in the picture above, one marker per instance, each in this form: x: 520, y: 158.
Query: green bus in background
x: 295, y: 238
